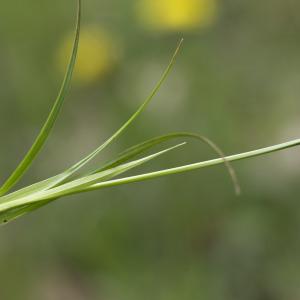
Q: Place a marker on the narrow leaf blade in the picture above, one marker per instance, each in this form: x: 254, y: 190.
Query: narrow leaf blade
x: 51, y: 119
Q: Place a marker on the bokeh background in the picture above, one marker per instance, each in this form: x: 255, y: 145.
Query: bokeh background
x: 182, y: 237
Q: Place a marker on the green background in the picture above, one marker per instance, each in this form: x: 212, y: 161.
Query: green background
x: 181, y: 237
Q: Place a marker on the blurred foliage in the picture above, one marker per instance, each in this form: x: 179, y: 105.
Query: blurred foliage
x: 96, y: 55
x: 236, y: 81
x: 176, y: 15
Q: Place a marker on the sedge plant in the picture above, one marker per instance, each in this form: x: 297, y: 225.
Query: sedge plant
x: 18, y: 203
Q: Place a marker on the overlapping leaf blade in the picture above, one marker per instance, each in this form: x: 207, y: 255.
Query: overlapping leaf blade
x: 74, y: 186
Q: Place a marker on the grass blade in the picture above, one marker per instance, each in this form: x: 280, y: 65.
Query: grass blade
x: 48, y: 125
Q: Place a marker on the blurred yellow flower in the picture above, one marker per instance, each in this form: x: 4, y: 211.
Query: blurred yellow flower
x: 174, y: 15
x: 97, y: 54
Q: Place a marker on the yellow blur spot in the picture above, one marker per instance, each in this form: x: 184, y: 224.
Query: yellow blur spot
x: 174, y: 15
x: 96, y: 55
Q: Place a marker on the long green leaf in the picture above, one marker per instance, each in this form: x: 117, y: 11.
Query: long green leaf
x: 48, y: 125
